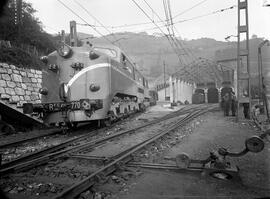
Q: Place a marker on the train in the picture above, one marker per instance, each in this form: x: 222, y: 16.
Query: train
x: 198, y: 97
x: 92, y: 82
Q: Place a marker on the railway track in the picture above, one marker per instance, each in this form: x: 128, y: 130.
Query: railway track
x: 75, y: 135
x: 24, y: 140
x: 53, y: 151
x: 123, y: 158
x: 45, y: 156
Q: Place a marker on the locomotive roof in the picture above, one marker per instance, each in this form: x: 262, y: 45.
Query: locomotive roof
x: 102, y: 45
x: 110, y: 46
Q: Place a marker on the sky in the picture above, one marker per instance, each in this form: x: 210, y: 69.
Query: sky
x: 111, y: 13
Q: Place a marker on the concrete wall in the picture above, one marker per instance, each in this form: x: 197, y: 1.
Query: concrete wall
x: 180, y: 90
x: 19, y: 85
x: 161, y: 94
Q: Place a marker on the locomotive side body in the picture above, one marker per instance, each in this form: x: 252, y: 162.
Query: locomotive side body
x: 90, y: 83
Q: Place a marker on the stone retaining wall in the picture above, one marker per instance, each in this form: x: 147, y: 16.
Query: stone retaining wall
x: 19, y: 85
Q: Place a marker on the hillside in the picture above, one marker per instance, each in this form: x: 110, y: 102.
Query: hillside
x: 149, y: 52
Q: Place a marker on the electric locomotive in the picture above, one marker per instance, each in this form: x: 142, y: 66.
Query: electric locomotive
x: 92, y: 82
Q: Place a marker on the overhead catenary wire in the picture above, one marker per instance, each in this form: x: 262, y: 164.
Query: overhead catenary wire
x: 170, y: 14
x: 196, y: 17
x: 178, y: 43
x: 93, y: 27
x: 95, y: 18
x: 103, y: 26
x: 152, y: 21
x: 162, y: 33
x: 193, y: 65
x: 167, y: 9
x: 162, y: 21
x: 168, y: 36
x: 196, y: 5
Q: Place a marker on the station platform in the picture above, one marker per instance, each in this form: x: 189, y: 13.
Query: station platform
x: 212, y: 131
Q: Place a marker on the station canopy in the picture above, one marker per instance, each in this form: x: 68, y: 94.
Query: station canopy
x: 202, y: 70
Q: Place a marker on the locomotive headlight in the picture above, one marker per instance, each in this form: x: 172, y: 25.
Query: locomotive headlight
x: 63, y: 91
x: 93, y: 55
x: 43, y: 91
x: 94, y: 87
x: 53, y: 67
x: 64, y: 51
x: 44, y: 59
x: 66, y: 89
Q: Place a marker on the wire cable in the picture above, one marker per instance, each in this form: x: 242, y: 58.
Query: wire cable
x: 167, y: 36
x: 162, y: 21
x: 101, y: 24
x: 183, y: 12
x: 93, y: 27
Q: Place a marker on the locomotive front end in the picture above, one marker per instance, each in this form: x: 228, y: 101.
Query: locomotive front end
x: 75, y: 86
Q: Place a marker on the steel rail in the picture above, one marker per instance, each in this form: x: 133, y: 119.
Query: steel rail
x: 45, y: 151
x: 10, y: 144
x: 162, y: 166
x: 42, y: 152
x: 34, y: 160
x: 85, y: 184
x: 53, y: 131
x: 12, y: 165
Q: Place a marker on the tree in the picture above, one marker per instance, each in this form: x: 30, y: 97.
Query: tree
x: 28, y: 31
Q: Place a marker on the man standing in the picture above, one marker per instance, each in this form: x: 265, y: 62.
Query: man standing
x: 234, y: 104
x: 246, y: 105
x: 246, y: 110
x: 227, y: 104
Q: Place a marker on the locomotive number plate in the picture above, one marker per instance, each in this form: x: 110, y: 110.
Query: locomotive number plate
x: 62, y: 106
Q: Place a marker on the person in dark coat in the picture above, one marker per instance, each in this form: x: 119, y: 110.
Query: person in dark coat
x: 227, y: 104
x: 246, y: 110
x: 246, y: 105
x: 234, y: 104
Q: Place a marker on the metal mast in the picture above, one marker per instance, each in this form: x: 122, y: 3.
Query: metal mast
x: 243, y: 65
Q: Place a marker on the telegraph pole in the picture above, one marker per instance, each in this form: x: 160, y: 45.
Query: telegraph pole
x: 243, y: 73
x: 164, y: 79
x: 18, y: 17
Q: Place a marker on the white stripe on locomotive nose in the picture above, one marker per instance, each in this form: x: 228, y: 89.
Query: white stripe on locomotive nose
x: 73, y: 79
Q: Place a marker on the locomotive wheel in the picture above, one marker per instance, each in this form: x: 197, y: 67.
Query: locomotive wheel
x: 72, y: 125
x: 112, y: 116
x: 106, y: 122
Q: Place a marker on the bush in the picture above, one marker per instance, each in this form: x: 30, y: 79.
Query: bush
x: 20, y: 58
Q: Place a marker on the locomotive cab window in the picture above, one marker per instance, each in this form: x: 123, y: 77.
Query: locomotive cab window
x: 107, y: 51
x: 123, y: 59
x: 127, y: 66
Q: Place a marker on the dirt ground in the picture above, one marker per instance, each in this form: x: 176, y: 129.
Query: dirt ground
x: 216, y: 131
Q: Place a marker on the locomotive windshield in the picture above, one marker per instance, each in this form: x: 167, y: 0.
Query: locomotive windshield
x: 107, y: 51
